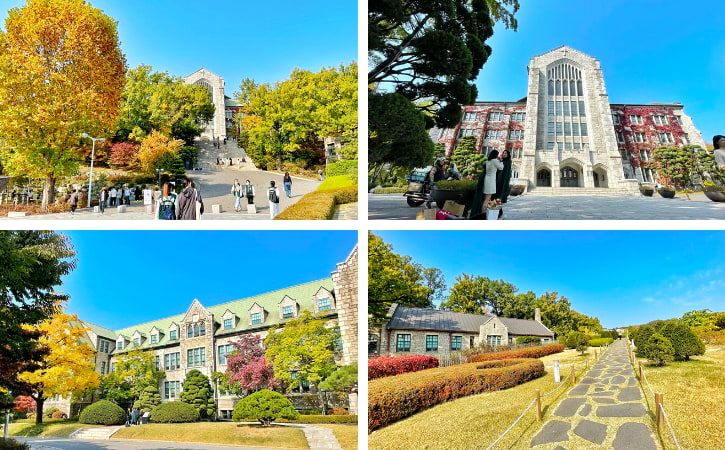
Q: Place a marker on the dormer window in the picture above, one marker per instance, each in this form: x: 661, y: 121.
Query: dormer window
x: 154, y: 338
x: 256, y: 318
x: 136, y: 342
x: 323, y: 304
x: 227, y: 324
x: 119, y: 345
x: 287, y: 312
x: 173, y: 336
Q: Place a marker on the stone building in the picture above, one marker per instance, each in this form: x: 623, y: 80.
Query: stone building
x: 423, y: 331
x: 200, y: 338
x: 565, y: 134
x: 224, y: 107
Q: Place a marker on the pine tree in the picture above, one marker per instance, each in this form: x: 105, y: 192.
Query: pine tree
x: 197, y: 391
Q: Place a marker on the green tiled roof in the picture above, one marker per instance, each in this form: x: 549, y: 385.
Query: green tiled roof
x: 302, y: 293
x: 103, y: 332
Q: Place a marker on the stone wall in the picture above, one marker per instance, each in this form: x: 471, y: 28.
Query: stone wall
x: 346, y: 299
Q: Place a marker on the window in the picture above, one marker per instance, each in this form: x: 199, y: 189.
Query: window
x: 575, y: 129
x: 226, y: 413
x: 551, y: 108
x: 558, y: 108
x: 472, y: 341
x: 157, y: 361
x: 113, y: 367
x: 550, y: 130
x: 623, y: 153
x: 136, y: 342
x: 172, y: 335
x: 338, y: 340
x: 171, y: 389
x: 202, y: 329
x: 581, y: 109
x: 196, y: 357
x: 583, y: 128
x: 635, y: 119
x: 559, y: 129
x: 172, y: 361
x: 644, y: 155
x: 550, y: 146
x: 492, y: 134
x: 516, y: 134
x: 647, y: 175
x: 518, y: 117
x: 431, y: 343
x: 403, y: 343
x: 577, y: 146
x: 516, y: 153
x: 551, y: 87
x: 256, y: 318
x: 574, y: 109
x: 469, y: 116
x: 493, y: 340
x: 566, y: 109
x: 567, y: 129
x: 495, y: 116
x: 615, y: 119
x: 287, y: 312
x: 154, y: 338
x: 620, y: 136
x: 666, y: 138
x: 659, y: 119
x: 227, y: 324
x: 105, y: 346
x: 678, y: 119
x: 189, y: 331
x: 487, y: 149
x: 640, y: 137
x: 323, y: 304
x: 103, y: 367
x: 119, y: 345
x: 456, y: 342
x: 223, y: 351
x: 565, y: 88
x: 465, y: 132
x: 684, y: 138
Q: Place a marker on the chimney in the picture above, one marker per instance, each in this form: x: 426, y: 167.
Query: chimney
x: 537, y: 315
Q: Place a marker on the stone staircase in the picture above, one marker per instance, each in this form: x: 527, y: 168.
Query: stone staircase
x: 98, y: 433
x: 208, y: 154
x: 573, y: 191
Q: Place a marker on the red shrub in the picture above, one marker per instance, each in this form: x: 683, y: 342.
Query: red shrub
x: 124, y: 154
x: 526, y: 352
x: 59, y: 415
x: 395, y: 365
x: 393, y: 398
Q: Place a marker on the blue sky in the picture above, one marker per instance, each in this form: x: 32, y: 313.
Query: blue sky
x: 621, y: 277
x: 130, y: 277
x: 650, y: 51
x: 234, y: 39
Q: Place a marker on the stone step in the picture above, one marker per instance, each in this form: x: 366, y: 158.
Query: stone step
x: 581, y: 191
x: 99, y: 433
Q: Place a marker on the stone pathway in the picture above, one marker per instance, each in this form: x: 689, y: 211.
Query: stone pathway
x: 605, y: 410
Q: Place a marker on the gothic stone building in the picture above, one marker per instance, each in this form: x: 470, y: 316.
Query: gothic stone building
x: 224, y: 107
x: 566, y: 134
x: 422, y: 331
x: 201, y: 337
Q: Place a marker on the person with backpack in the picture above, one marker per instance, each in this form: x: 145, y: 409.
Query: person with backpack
x: 238, y: 194
x: 166, y: 205
x: 273, y: 195
x: 73, y: 201
x: 249, y: 192
x: 189, y: 202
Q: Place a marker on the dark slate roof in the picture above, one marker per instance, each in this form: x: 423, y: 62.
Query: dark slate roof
x: 409, y: 318
x: 523, y: 327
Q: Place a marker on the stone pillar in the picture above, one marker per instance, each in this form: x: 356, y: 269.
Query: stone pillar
x: 345, y: 281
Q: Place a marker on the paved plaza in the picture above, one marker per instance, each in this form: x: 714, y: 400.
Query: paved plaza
x: 569, y: 207
x: 605, y: 410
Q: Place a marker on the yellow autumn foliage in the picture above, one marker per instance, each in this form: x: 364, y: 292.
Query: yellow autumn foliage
x: 153, y: 147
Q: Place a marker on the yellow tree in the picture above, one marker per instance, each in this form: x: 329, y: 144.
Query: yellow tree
x: 68, y: 369
x: 61, y: 74
x: 154, y: 147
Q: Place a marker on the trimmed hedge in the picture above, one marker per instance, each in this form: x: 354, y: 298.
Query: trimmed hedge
x: 336, y: 182
x: 320, y: 419
x: 528, y: 340
x: 528, y: 352
x: 319, y: 205
x: 598, y: 342
x: 346, y: 167
x: 103, y: 412
x: 393, y: 398
x: 396, y: 365
x: 174, y: 412
x: 391, y: 190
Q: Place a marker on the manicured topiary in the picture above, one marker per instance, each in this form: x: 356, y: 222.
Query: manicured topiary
x: 148, y: 399
x: 265, y: 406
x: 103, y: 412
x: 658, y: 350
x: 528, y: 352
x: 641, y: 339
x: 197, y: 392
x: 319, y: 205
x: 684, y: 341
x: 174, y: 412
x: 395, y: 365
x: 598, y: 342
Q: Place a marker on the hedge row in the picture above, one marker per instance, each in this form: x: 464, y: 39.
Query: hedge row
x: 319, y: 205
x: 336, y: 182
x: 345, y: 167
x: 396, y: 365
x: 391, y: 190
x: 393, y: 398
x: 598, y: 342
x: 320, y: 419
x: 527, y: 352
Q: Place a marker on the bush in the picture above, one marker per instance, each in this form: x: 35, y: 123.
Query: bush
x: 658, y: 350
x: 347, y: 167
x: 265, y: 406
x: 148, y: 400
x: 335, y: 182
x: 320, y: 419
x: 528, y: 340
x: 393, y: 398
x: 174, y: 412
x: 103, y: 412
x: 685, y: 342
x: 12, y: 444
x: 319, y: 205
x: 391, y: 190
x: 641, y: 338
x: 59, y: 415
x: 577, y: 340
x: 49, y: 412
x: 396, y: 365
x: 339, y: 412
x: 528, y: 352
x: 598, y: 342
x: 197, y: 392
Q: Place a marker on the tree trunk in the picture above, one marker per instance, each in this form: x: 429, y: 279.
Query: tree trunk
x: 279, y: 162
x: 39, y: 402
x: 48, y: 192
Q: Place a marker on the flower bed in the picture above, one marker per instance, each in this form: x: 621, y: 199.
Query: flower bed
x: 393, y: 398
x: 319, y: 205
x: 527, y: 352
x: 396, y: 365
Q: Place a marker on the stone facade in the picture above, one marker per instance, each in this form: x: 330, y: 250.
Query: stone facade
x: 217, y: 127
x: 565, y: 133
x: 345, y: 279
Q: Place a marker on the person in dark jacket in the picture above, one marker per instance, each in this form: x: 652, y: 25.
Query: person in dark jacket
x: 186, y: 206
x: 503, y: 178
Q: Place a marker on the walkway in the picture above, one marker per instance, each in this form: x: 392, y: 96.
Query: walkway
x: 605, y: 410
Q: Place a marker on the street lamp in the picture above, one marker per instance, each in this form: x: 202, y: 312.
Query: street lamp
x: 93, y: 155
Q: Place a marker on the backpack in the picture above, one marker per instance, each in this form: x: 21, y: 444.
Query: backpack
x: 273, y: 197
x: 167, y: 209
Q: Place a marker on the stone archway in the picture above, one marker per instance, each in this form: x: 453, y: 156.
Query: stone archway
x: 543, y: 177
x: 215, y: 84
x: 569, y: 177
x: 600, y: 177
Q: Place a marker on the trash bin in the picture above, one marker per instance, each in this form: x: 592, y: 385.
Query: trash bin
x: 145, y: 418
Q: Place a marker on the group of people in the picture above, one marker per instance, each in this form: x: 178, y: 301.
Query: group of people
x: 133, y: 416
x: 187, y: 205
x: 115, y: 197
x: 247, y: 190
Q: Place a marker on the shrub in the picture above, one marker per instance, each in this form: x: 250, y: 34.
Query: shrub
x: 319, y: 205
x: 396, y: 365
x: 347, y: 167
x: 598, y: 342
x: 103, y: 412
x: 339, y: 412
x: 174, y: 412
x: 528, y: 352
x: 49, y: 412
x: 197, y: 392
x: 658, y: 350
x: 684, y: 341
x: 59, y: 415
x: 393, y: 398
x: 12, y: 444
x: 577, y: 340
x: 335, y: 182
x: 391, y: 190
x: 320, y: 419
x: 148, y: 399
x: 641, y: 338
x: 528, y: 340
x: 265, y: 406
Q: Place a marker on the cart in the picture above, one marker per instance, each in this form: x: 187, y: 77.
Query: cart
x: 418, y: 186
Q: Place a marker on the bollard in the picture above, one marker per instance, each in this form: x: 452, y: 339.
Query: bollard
x: 586, y: 363
x: 658, y: 406
x: 641, y: 373
x: 557, y: 374
x: 538, y: 405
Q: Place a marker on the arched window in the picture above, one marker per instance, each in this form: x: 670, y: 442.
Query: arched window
x: 196, y: 329
x: 570, y: 126
x: 202, y: 329
x: 189, y: 331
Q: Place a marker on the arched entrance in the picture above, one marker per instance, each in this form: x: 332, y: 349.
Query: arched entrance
x: 569, y: 177
x: 600, y: 177
x: 543, y: 178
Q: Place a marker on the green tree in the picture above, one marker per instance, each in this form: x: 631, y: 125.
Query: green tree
x: 673, y: 165
x: 343, y: 380
x: 684, y: 341
x: 472, y: 293
x: 148, y: 399
x: 467, y: 158
x: 135, y: 371
x: 265, y: 406
x: 197, y: 392
x: 61, y: 74
x: 33, y: 265
x: 394, y: 278
x: 396, y: 134
x: 641, y: 337
x: 301, y: 349
x: 577, y: 340
x: 658, y: 350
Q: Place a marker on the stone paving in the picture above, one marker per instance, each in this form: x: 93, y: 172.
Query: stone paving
x: 605, y: 410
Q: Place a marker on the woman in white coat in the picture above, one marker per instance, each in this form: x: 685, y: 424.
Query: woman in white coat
x: 493, y: 165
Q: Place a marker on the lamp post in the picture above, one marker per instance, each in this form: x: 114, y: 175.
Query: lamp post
x: 93, y: 155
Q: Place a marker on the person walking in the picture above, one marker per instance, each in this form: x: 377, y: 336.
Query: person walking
x: 238, y: 194
x: 166, y: 205
x: 189, y: 204
x: 73, y: 201
x: 321, y: 173
x: 127, y: 195
x: 287, y: 184
x: 112, y: 195
x: 249, y: 192
x: 102, y: 199
x: 273, y: 195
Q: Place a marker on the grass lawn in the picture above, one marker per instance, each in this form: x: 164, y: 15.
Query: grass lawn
x: 694, y: 392
x: 218, y: 433
x: 476, y: 421
x: 46, y: 429
x: 346, y: 434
